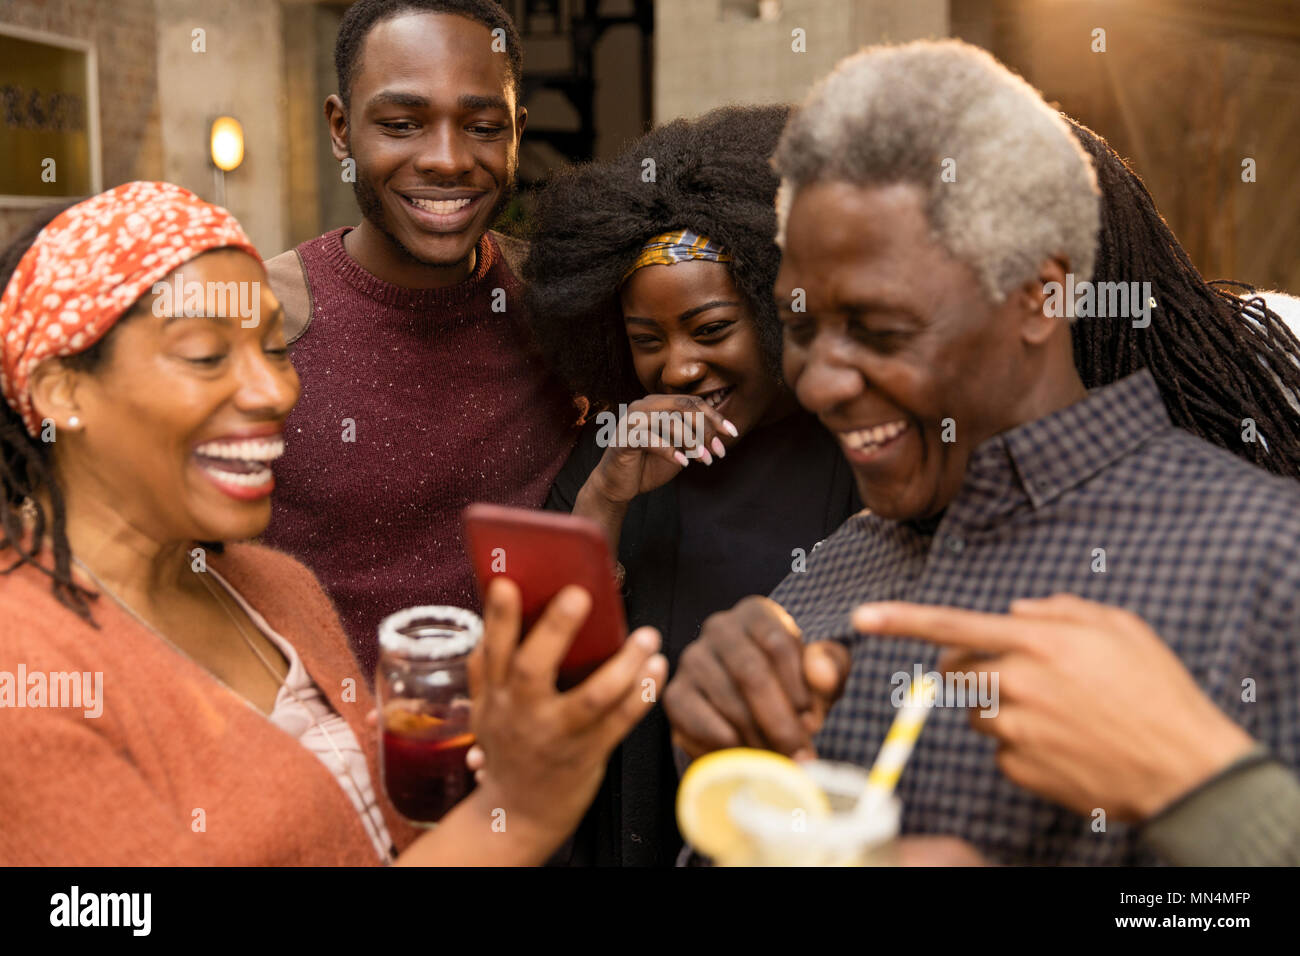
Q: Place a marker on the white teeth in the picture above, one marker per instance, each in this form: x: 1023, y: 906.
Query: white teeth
x: 253, y: 479
x: 714, y: 399
x: 254, y: 452
x: 441, y: 207
x: 869, y: 437
x: 260, y: 449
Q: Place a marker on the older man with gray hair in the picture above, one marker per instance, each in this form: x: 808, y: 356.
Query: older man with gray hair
x: 930, y: 200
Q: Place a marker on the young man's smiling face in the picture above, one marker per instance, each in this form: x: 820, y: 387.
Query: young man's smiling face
x: 433, y: 125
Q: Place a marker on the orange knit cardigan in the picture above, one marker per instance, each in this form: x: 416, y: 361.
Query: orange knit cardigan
x: 177, y: 770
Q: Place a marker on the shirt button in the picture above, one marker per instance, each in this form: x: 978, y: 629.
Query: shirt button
x: 955, y: 544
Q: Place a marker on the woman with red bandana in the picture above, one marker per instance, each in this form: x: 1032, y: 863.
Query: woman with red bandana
x: 224, y: 719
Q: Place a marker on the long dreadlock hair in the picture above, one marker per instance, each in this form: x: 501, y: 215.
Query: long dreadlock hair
x: 26, y: 469
x: 1217, y: 358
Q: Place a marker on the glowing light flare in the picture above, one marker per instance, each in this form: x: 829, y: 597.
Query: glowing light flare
x: 227, y: 143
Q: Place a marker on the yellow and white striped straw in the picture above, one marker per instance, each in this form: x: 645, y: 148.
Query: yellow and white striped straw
x: 900, y: 740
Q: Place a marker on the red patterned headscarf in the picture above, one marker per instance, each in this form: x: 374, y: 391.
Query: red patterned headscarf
x: 90, y: 264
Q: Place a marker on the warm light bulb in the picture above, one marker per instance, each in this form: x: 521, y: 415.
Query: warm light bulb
x: 227, y: 143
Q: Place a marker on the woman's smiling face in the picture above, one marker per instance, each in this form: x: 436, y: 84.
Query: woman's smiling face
x: 691, y: 332
x: 182, y: 418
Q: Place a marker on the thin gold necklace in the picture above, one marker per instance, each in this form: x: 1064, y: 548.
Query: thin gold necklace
x: 282, y: 682
x: 144, y: 622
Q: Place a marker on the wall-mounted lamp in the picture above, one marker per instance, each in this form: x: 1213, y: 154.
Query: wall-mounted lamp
x: 227, y: 149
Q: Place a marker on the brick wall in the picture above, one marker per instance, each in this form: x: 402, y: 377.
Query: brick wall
x: 123, y: 34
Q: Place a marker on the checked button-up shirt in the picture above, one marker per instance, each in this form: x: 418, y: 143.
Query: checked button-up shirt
x: 1104, y: 499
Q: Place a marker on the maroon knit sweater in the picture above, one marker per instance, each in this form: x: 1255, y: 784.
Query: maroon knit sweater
x: 449, y: 407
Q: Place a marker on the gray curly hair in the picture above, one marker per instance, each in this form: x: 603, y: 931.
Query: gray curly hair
x: 1024, y: 191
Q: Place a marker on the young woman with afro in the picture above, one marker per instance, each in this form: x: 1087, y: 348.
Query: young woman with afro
x: 651, y: 280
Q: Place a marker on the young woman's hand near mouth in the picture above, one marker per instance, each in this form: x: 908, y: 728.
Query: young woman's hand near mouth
x: 646, y: 452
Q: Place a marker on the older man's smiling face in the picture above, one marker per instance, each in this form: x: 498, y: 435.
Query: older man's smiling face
x: 897, y: 338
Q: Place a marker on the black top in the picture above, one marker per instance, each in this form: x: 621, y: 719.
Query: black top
x: 713, y: 535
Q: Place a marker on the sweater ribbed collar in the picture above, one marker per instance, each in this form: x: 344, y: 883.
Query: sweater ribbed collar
x: 399, y: 297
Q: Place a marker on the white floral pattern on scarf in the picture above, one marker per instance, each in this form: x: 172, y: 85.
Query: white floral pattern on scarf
x: 90, y: 264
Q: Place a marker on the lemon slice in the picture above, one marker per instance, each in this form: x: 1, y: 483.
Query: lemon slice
x: 710, y: 782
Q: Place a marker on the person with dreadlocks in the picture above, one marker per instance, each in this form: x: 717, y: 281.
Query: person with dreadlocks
x: 1154, y: 749
x: 652, y: 293
x: 1218, y: 357
x: 146, y: 668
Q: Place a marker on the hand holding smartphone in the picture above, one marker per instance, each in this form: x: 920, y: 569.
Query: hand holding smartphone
x: 543, y: 552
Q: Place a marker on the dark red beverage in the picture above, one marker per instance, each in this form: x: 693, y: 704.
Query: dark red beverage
x: 425, y: 775
x: 422, y: 683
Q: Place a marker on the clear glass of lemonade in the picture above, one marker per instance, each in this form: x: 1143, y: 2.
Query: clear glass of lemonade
x: 779, y: 836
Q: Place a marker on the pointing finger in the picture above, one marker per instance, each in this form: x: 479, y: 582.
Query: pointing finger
x: 953, y: 627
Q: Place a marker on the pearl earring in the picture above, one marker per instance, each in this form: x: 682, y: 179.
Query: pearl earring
x: 73, y: 421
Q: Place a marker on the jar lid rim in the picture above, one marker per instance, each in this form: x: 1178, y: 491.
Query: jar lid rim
x: 392, y: 640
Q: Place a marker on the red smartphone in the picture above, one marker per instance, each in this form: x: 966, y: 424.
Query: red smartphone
x: 542, y: 552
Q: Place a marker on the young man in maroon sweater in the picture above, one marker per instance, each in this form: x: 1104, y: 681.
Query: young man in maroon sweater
x: 420, y: 393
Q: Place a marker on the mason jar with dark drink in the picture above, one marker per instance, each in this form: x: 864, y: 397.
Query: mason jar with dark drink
x: 423, y: 688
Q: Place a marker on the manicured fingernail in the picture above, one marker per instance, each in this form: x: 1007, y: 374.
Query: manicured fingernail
x: 704, y: 453
x: 681, y: 459
x: 731, y: 428
x: 718, y: 448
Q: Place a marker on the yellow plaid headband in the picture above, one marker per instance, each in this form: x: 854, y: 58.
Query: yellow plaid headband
x: 681, y: 245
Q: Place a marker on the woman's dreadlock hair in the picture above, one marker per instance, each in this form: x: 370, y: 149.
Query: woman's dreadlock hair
x: 712, y: 176
x: 1217, y: 358
x: 25, y: 466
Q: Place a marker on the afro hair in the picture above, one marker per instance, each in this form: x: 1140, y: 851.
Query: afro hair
x: 711, y: 175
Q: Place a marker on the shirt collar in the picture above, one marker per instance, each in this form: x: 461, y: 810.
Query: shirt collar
x: 1059, y: 451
